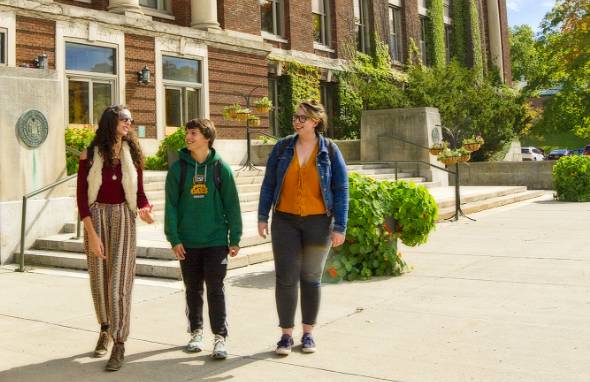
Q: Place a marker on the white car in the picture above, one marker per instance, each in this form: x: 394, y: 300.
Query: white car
x: 531, y: 153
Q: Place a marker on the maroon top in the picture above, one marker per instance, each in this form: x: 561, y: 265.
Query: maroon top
x: 111, y: 190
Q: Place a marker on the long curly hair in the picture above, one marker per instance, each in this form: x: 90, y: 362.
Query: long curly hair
x: 106, y: 137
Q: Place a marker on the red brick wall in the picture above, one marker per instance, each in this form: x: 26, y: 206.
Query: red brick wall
x: 379, y: 12
x: 240, y: 15
x: 181, y: 9
x: 34, y: 37
x: 411, y: 25
x: 298, y: 25
x: 343, y: 37
x: 230, y: 73
x: 141, y: 99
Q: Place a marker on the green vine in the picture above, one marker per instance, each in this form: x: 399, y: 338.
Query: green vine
x: 458, y: 31
x: 476, y: 39
x: 437, y: 31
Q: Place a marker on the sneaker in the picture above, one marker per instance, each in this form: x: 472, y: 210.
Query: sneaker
x: 284, y: 345
x: 117, y: 356
x: 195, y: 344
x: 307, y: 343
x: 103, y: 344
x: 219, y: 350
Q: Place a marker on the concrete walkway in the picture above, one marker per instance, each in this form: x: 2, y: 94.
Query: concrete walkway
x: 506, y: 298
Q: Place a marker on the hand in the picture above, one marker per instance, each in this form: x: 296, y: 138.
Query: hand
x: 179, y: 251
x: 263, y: 229
x: 145, y: 214
x: 233, y: 250
x: 337, y: 238
x: 96, y: 247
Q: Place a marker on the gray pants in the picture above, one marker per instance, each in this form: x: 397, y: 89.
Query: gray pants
x: 300, y: 246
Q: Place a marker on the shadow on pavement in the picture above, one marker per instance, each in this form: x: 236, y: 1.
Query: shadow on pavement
x: 168, y: 365
x: 257, y: 280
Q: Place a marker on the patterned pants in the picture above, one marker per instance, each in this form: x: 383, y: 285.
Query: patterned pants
x: 111, y: 280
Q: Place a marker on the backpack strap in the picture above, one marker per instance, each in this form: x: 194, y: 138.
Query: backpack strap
x: 217, y: 174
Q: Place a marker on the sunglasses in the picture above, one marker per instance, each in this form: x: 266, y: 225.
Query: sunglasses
x: 125, y: 119
x: 300, y: 118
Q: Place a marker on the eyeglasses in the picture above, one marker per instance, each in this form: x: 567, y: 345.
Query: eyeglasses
x: 125, y: 119
x: 300, y: 118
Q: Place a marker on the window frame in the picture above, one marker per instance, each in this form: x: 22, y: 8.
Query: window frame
x: 277, y: 18
x: 162, y: 6
x: 4, y: 47
x: 91, y: 78
x: 183, y: 86
x: 395, y: 32
x: 361, y: 25
x: 273, y: 115
x: 325, y: 23
x: 424, y: 46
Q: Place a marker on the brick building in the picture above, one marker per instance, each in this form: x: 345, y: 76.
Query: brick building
x: 201, y: 54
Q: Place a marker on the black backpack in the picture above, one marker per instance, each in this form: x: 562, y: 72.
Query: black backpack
x: 216, y: 175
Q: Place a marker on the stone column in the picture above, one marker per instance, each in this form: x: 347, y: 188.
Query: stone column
x: 495, y: 35
x: 204, y: 14
x: 124, y: 6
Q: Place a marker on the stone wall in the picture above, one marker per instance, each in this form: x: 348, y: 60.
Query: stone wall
x: 534, y: 175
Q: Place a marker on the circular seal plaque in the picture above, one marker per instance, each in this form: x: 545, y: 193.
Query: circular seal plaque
x: 32, y: 128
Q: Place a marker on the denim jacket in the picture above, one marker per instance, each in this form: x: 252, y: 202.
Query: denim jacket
x: 333, y: 180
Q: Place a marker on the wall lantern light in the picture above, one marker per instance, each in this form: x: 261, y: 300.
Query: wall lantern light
x: 144, y: 75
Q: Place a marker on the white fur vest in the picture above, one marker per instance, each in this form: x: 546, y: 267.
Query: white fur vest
x: 129, y: 179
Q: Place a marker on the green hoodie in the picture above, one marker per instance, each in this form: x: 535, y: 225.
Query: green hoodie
x: 202, y: 222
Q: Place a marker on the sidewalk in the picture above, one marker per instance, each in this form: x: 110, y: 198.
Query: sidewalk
x: 505, y: 298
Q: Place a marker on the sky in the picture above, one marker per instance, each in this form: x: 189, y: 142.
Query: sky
x: 529, y: 12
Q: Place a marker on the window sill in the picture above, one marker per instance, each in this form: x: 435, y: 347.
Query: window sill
x: 273, y: 37
x: 159, y: 14
x: 323, y: 48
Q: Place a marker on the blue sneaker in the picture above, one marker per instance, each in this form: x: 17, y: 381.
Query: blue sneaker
x: 284, y: 345
x: 307, y: 343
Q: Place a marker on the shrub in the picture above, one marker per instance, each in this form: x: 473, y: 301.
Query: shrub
x: 370, y: 248
x: 77, y: 138
x: 571, y: 178
x: 155, y: 163
x: 173, y: 142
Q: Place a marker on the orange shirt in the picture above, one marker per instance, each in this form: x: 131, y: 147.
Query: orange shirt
x: 301, y: 193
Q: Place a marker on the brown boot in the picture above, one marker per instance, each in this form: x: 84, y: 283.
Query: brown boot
x: 117, y: 355
x: 103, y: 344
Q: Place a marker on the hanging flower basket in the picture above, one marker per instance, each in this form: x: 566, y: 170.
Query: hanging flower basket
x: 464, y: 158
x: 263, y: 105
x: 253, y: 121
x: 471, y: 146
x: 230, y: 112
x: 435, y: 151
x: 242, y: 114
x: 449, y: 160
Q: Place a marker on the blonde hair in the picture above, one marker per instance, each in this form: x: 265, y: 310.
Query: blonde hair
x: 314, y: 109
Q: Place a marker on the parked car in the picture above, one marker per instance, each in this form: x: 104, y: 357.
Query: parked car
x: 587, y: 150
x: 531, y: 153
x: 579, y: 151
x: 558, y: 153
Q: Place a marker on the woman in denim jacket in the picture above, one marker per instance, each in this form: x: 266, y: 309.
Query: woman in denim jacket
x: 306, y: 184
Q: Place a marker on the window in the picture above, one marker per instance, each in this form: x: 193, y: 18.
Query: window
x: 395, y: 33
x: 448, y: 42
x: 159, y: 5
x: 91, y: 74
x: 182, y: 90
x: 3, y: 47
x: 319, y: 9
x: 271, y: 16
x: 361, y: 25
x: 328, y: 99
x: 273, y: 115
x: 424, y: 48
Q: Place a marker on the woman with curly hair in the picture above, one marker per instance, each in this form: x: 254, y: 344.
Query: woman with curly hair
x: 110, y: 195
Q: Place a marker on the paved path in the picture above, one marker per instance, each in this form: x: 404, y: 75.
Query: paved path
x: 506, y: 298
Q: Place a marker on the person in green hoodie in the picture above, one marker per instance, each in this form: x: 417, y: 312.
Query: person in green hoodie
x: 203, y: 224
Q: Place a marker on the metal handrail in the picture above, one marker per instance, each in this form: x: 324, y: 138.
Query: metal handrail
x: 265, y: 134
x: 26, y: 197
x: 24, y: 215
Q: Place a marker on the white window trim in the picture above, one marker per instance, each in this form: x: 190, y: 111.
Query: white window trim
x: 322, y: 47
x: 401, y: 50
x: 8, y: 25
x: 161, y: 14
x: 4, y: 48
x: 422, y: 11
x: 326, y: 25
x: 279, y: 21
x: 89, y: 34
x: 273, y: 37
x: 164, y: 6
x: 179, y: 47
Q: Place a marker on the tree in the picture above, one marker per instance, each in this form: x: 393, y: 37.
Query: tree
x: 524, y: 53
x: 566, y: 53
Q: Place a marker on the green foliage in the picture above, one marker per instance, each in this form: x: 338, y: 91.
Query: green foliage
x: 174, y: 142
x: 437, y: 33
x: 263, y: 102
x: 370, y: 248
x: 468, y: 106
x: 475, y: 33
x: 524, y: 55
x: 553, y: 140
x: 77, y: 138
x: 155, y: 163
x: 459, y: 31
x: 571, y: 178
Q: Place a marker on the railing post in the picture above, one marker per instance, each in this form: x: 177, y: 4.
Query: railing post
x: 457, y: 193
x: 23, y: 224
x: 395, y: 163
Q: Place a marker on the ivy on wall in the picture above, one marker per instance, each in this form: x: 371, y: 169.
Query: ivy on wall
x: 437, y: 33
x: 475, y: 39
x: 459, y: 31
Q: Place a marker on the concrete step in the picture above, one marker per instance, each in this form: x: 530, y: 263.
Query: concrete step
x: 151, y: 267
x: 467, y: 197
x: 489, y: 203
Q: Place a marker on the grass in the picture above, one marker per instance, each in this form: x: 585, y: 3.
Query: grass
x: 556, y: 140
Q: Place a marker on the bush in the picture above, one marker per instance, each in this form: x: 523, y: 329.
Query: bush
x: 155, y: 163
x: 370, y: 248
x: 571, y: 178
x: 77, y: 138
x: 174, y: 142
